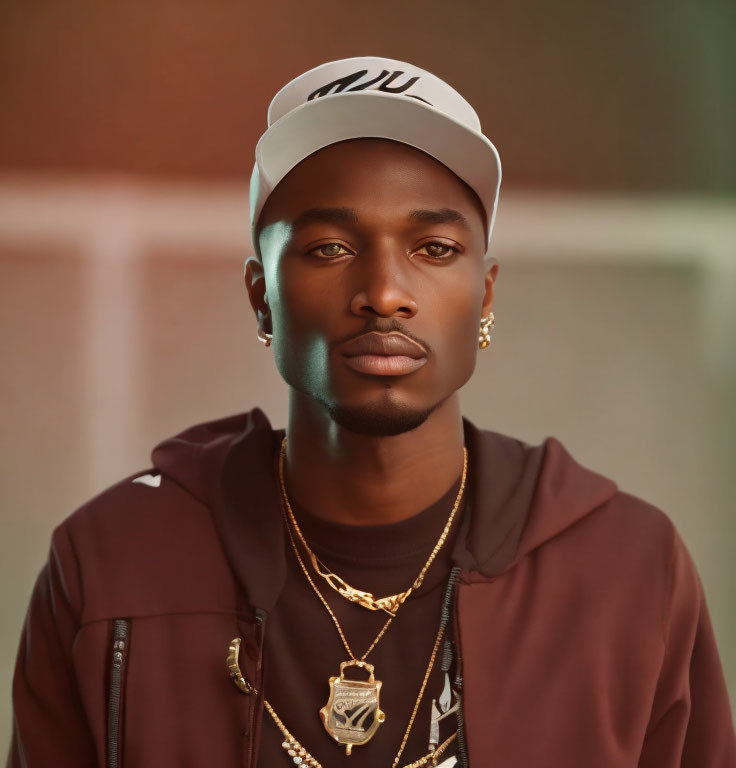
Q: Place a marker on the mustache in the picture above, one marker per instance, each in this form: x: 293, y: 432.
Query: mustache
x: 381, y: 325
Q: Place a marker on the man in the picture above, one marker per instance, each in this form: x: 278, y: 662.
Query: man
x: 382, y: 584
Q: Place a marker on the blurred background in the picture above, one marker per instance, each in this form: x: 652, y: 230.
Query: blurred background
x: 126, y: 141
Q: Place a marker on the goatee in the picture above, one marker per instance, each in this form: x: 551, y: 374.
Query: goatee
x: 379, y: 421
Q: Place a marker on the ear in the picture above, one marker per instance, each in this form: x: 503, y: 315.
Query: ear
x: 490, y: 280
x: 255, y: 284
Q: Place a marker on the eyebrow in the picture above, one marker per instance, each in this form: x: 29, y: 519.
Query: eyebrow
x: 326, y: 216
x: 441, y: 216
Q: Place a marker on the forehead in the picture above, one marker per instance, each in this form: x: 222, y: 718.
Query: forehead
x: 371, y: 176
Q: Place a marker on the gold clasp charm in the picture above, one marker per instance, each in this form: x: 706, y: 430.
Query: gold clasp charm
x: 352, y: 713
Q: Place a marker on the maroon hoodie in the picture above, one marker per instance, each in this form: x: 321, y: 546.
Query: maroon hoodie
x: 583, y: 637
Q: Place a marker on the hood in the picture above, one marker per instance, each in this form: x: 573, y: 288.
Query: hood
x: 519, y: 496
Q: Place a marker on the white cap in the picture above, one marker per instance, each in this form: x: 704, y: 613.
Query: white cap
x: 373, y: 97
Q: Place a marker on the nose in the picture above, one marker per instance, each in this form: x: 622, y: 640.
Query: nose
x: 383, y: 286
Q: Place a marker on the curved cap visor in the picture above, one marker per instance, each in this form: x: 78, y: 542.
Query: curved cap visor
x: 370, y: 114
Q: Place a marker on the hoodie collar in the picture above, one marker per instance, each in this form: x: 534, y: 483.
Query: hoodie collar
x: 503, y: 475
x: 519, y: 496
x: 229, y: 465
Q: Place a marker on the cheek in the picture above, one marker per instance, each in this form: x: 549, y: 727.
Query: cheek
x: 458, y: 307
x: 301, y: 308
x: 466, y: 339
x: 458, y: 336
x: 301, y: 318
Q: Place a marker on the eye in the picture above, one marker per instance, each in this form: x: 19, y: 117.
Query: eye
x: 437, y: 251
x: 330, y: 251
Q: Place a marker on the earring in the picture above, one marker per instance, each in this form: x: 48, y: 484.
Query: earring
x: 486, y: 326
x: 264, y: 338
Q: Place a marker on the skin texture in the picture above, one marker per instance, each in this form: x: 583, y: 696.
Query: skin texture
x: 366, y: 448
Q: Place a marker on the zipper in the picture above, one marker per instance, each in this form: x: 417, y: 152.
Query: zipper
x: 451, y: 653
x: 257, y: 701
x: 119, y: 654
x: 462, y: 745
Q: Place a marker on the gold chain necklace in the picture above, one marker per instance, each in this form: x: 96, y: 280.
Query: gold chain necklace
x: 354, y: 661
x: 391, y: 603
x: 299, y: 754
x: 352, y: 713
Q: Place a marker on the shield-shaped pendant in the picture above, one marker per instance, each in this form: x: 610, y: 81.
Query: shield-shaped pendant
x: 352, y: 713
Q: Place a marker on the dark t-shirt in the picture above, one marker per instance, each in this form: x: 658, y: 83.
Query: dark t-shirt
x: 303, y: 648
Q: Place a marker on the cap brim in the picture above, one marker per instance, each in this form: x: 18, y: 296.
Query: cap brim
x: 372, y: 114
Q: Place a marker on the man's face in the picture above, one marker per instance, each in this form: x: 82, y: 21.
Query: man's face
x: 372, y: 282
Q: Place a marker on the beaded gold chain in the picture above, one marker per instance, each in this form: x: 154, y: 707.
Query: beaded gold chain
x: 299, y: 754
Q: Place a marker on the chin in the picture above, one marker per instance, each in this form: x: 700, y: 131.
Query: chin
x: 379, y: 420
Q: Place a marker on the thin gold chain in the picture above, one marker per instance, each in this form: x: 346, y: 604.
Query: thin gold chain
x: 343, y: 588
x: 414, y: 711
x: 432, y: 757
x: 417, y: 582
x: 430, y: 665
x: 329, y: 610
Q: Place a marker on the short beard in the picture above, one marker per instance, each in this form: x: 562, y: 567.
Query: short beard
x: 379, y: 422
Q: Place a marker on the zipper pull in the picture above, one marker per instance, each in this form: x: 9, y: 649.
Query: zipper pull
x: 118, y: 653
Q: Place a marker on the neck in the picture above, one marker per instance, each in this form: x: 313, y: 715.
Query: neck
x: 342, y: 476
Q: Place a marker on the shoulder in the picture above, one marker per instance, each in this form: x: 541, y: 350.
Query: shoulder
x: 143, y: 509
x: 642, y: 527
x: 572, y: 496
x: 600, y: 540
x: 628, y: 554
x: 143, y: 546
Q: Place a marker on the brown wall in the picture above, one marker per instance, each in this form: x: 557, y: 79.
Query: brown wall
x: 576, y: 94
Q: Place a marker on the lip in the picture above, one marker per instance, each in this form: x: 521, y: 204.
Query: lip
x: 384, y: 354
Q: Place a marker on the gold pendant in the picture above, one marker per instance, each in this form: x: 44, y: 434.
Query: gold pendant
x: 352, y: 713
